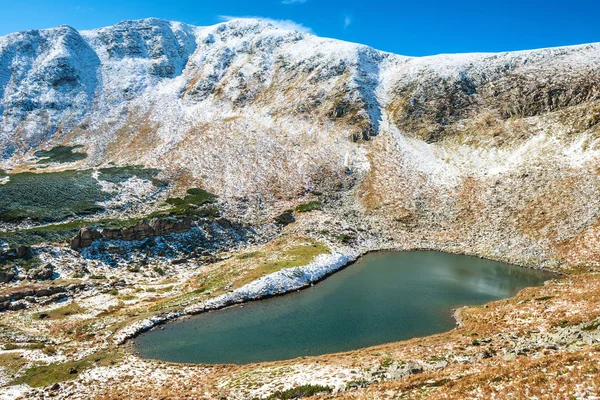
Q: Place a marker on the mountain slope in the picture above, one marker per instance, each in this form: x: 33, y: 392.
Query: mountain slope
x: 494, y: 153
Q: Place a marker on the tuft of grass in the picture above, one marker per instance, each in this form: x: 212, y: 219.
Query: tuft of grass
x: 592, y: 326
x: 386, y: 362
x: 310, y: 206
x: 300, y: 392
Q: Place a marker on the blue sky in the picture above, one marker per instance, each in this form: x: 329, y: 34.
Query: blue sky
x: 417, y: 27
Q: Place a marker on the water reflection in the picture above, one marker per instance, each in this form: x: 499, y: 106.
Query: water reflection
x: 384, y: 297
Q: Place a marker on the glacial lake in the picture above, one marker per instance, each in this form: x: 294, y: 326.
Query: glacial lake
x: 383, y: 297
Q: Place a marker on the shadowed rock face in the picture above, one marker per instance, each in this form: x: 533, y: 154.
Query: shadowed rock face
x: 467, y: 151
x: 142, y: 230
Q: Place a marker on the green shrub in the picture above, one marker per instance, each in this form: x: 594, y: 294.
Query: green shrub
x: 197, y: 203
x: 310, y: 206
x: 54, y: 196
x: 592, y: 326
x: 345, y: 238
x: 387, y: 362
x: 300, y: 392
x: 60, y: 154
x: 199, y: 196
x: 120, y: 174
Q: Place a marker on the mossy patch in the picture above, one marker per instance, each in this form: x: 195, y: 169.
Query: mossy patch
x: 46, y: 375
x: 61, y: 312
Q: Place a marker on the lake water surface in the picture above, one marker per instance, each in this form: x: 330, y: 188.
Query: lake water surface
x: 383, y: 297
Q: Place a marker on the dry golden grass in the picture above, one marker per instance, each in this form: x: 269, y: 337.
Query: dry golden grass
x: 551, y: 374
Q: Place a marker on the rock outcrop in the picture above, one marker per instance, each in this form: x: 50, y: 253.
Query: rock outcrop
x: 142, y: 230
x: 41, y: 273
x: 20, y: 298
x: 6, y: 275
x: 84, y: 238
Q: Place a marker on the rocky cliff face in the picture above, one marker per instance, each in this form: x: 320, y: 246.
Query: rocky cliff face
x: 493, y: 154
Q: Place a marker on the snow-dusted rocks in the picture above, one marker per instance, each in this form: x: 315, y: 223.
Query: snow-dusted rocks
x: 277, y: 283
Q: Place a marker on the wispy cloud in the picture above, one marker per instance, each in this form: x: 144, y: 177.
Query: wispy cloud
x: 280, y: 23
x: 347, y: 21
x: 293, y: 1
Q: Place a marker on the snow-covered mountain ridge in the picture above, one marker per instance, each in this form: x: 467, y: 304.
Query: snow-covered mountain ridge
x: 449, y: 147
x: 59, y: 84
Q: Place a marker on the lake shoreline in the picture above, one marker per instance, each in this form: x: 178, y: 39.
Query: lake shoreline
x: 327, y: 265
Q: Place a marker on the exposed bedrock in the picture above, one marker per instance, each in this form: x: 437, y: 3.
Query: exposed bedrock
x: 142, y: 230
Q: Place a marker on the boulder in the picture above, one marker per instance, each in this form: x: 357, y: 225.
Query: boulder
x: 166, y: 226
x: 84, y: 238
x: 4, y: 304
x: 285, y: 218
x: 75, y: 242
x: 224, y: 223
x: 54, y: 298
x: 42, y: 273
x: 139, y: 231
x: 128, y: 234
x: 16, y: 306
x: 21, y: 295
x: 23, y: 251
x: 6, y: 275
